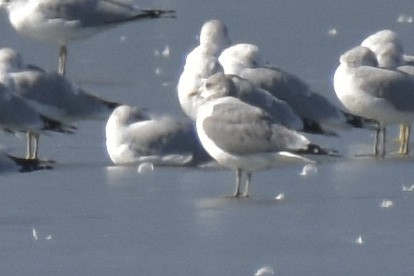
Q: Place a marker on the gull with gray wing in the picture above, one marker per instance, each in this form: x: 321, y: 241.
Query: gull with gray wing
x: 66, y: 20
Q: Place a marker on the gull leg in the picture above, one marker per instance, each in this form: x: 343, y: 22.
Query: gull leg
x: 28, y: 145
x: 246, y: 188
x: 36, y: 146
x: 32, y: 145
x: 379, y: 149
x: 382, y: 144
x: 404, y: 139
x: 407, y: 139
x: 63, y: 56
x: 384, y: 140
x: 237, y: 192
x: 376, y: 142
x: 401, y: 133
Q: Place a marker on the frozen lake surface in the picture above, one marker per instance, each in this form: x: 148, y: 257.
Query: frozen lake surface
x: 354, y: 216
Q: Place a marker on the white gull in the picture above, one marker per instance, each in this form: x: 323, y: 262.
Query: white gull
x: 66, y: 20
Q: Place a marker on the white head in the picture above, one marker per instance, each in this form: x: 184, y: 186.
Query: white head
x: 240, y: 56
x: 214, y: 36
x: 381, y: 37
x: 359, y: 56
x: 217, y: 86
x: 387, y: 47
x: 125, y: 115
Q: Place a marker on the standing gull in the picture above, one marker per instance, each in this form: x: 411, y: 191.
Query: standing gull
x: 389, y: 51
x: 381, y: 94
x: 49, y: 93
x: 246, y: 139
x: 65, y: 20
x: 134, y: 137
x: 16, y: 115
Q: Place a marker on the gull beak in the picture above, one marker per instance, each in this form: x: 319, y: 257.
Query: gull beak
x: 193, y: 93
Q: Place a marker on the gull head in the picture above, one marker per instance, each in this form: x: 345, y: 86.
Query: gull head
x: 387, y: 47
x: 125, y: 115
x: 217, y: 86
x: 380, y: 38
x: 242, y: 55
x: 214, y: 35
x: 359, y: 56
x: 389, y: 55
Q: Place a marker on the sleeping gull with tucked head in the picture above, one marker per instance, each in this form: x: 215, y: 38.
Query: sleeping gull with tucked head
x: 65, y: 20
x: 134, y: 137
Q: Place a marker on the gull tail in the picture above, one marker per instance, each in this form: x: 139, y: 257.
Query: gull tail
x: 156, y: 14
x: 111, y: 105
x: 29, y: 165
x: 313, y: 127
x: 57, y: 126
x: 314, y: 149
x: 146, y: 14
x: 360, y: 122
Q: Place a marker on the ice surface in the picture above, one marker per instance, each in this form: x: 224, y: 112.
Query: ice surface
x: 91, y: 218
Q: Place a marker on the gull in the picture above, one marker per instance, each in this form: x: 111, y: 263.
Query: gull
x: 389, y: 51
x: 380, y: 94
x: 65, y: 20
x: 319, y: 115
x: 16, y: 115
x: 49, y: 93
x: 135, y: 137
x: 200, y: 64
x: 246, y: 139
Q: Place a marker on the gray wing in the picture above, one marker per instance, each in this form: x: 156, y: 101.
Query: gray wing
x: 396, y: 87
x: 280, y: 111
x: 243, y: 129
x: 62, y: 98
x: 286, y: 87
x: 16, y: 114
x: 94, y: 12
x: 281, y: 84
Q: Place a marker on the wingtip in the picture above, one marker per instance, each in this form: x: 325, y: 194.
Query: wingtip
x: 161, y: 13
x: 318, y: 150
